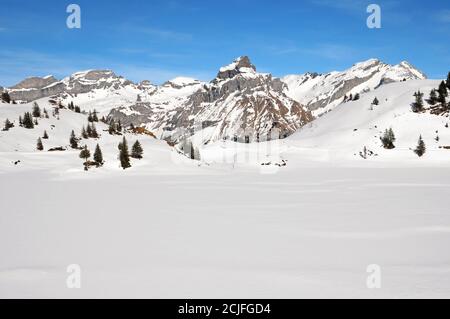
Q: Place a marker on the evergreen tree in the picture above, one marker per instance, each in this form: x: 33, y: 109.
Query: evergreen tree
x: 356, y: 98
x: 375, y: 101
x: 73, y: 140
x: 28, y: 120
x: 112, y: 128
x: 84, y: 133
x: 77, y: 109
x: 85, y: 153
x: 119, y: 127
x: 421, y: 148
x: 45, y: 136
x: 433, y: 97
x: 8, y: 125
x: 94, y: 116
x: 94, y: 133
x: 417, y: 106
x: 137, y: 151
x: 90, y: 120
x: 98, y: 156
x: 46, y: 114
x: 442, y: 93
x: 124, y: 154
x: 39, y: 146
x: 89, y: 130
x: 388, y: 139
x: 448, y: 81
x: 36, y: 110
x: 36, y: 122
x: 5, y: 97
x: 20, y: 121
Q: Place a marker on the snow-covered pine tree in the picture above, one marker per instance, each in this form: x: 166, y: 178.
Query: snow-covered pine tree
x: 39, y: 145
x: 421, y: 148
x: 73, y: 140
x: 137, y: 151
x: 36, y: 110
x: 89, y: 130
x: 124, y: 155
x: 98, y: 156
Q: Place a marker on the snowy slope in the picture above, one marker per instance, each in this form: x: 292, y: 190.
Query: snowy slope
x: 322, y: 92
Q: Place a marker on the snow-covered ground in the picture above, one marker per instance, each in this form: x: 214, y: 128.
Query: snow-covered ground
x: 228, y: 226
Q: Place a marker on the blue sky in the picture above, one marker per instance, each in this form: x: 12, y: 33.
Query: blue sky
x: 158, y: 40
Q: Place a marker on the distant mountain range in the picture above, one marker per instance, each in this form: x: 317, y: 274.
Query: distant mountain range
x: 239, y: 103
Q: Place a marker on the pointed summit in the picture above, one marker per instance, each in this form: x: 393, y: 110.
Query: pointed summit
x: 240, y: 65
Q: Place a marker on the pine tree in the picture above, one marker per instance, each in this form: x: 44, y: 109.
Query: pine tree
x: 90, y: 120
x: 46, y: 114
x: 442, y: 93
x: 94, y: 116
x: 124, y: 154
x: 388, y: 139
x: 77, y: 109
x: 45, y: 136
x: 20, y: 121
x: 8, y: 125
x: 28, y: 120
x: 94, y: 133
x: 112, y: 128
x: 417, y: 106
x: 36, y: 110
x: 137, y: 151
x: 448, y: 81
x: 89, y: 130
x: 356, y: 98
x: 39, y: 146
x: 84, y: 133
x: 375, y: 101
x: 85, y: 154
x: 98, y: 156
x: 73, y: 140
x: 433, y: 97
x: 36, y: 123
x: 5, y: 97
x: 421, y: 148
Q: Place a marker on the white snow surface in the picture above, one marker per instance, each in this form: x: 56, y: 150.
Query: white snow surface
x: 227, y: 227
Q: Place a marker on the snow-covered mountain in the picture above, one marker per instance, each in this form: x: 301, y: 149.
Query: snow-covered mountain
x: 239, y: 103
x: 320, y: 93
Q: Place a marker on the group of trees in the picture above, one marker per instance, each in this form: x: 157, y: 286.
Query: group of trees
x: 388, y: 139
x: 115, y: 128
x: 439, y: 95
x: 351, y: 97
x: 137, y: 152
x: 73, y: 107
x: 92, y: 117
x: 86, y: 154
x: 418, y: 106
x: 5, y: 97
x: 90, y: 131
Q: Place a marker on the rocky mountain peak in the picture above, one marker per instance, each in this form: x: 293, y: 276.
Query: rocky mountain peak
x: 238, y: 66
x: 35, y: 83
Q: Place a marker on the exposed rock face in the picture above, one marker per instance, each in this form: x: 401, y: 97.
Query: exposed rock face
x: 321, y: 93
x: 82, y: 82
x: 238, y: 104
